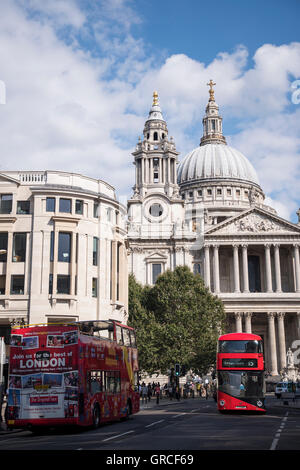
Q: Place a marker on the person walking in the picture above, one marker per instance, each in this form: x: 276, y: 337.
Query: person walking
x: 144, y: 393
x: 157, y: 392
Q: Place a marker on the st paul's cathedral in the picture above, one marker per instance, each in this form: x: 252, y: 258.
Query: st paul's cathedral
x: 208, y: 212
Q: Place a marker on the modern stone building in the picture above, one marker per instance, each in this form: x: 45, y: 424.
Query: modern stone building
x: 213, y: 218
x: 63, y: 253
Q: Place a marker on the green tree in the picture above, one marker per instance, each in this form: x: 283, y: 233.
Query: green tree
x: 176, y: 320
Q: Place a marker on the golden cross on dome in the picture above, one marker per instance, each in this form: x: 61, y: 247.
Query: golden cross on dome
x: 155, y: 98
x: 211, y: 90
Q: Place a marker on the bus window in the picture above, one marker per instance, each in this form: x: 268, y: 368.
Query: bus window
x: 132, y: 336
x: 126, y: 336
x: 113, y: 382
x: 96, y: 381
x: 119, y: 334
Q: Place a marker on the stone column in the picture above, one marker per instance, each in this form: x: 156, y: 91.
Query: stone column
x: 277, y: 267
x: 281, y: 336
x: 268, y: 268
x: 297, y: 268
x: 236, y: 271
x: 55, y: 261
x: 207, y: 266
x: 248, y: 316
x: 151, y: 171
x: 245, y: 269
x: 216, y: 270
x: 238, y: 322
x: 73, y: 266
x: 272, y: 343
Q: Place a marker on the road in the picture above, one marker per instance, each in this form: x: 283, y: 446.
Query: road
x: 192, y: 424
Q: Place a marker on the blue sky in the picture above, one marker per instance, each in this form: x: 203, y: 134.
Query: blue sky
x: 80, y: 74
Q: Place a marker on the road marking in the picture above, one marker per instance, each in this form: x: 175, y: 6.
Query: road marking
x: 278, y: 433
x: 118, y: 435
x: 155, y: 422
x: 177, y: 416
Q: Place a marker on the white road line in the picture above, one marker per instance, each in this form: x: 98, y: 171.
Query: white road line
x: 155, y: 422
x: 278, y: 433
x: 177, y: 416
x: 118, y: 435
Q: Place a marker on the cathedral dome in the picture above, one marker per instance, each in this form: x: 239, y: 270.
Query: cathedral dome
x: 218, y: 162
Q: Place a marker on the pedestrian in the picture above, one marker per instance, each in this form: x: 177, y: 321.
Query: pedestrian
x: 170, y: 391
x: 144, y: 393
x: 149, y: 392
x: 157, y: 392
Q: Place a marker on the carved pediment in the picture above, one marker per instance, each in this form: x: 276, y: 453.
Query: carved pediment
x: 255, y: 222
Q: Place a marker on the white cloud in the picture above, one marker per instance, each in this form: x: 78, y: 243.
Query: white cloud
x: 79, y: 87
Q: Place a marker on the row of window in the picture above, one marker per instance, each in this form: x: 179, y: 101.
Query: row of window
x: 63, y: 284
x: 104, y: 381
x: 64, y: 206
x: 219, y: 192
x: 64, y: 247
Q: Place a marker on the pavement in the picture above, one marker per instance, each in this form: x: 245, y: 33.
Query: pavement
x: 288, y: 403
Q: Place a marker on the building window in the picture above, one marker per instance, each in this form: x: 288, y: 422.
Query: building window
x: 23, y: 207
x: 200, y: 192
x: 79, y: 206
x: 63, y: 284
x: 95, y: 250
x: 191, y: 194
x: 52, y: 246
x: 50, y: 284
x: 64, y: 247
x: 238, y: 193
x: 197, y: 268
x: 65, y: 205
x: 6, y: 203
x: 3, y: 246
x: 17, y: 284
x: 155, y: 136
x: 19, y: 247
x: 2, y: 284
x: 209, y: 192
x: 96, y: 205
x: 228, y: 192
x: 50, y: 204
x: 155, y: 177
x: 94, y: 287
x: 219, y: 191
x: 156, y: 271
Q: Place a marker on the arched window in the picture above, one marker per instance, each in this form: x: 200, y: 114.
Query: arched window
x: 155, y: 136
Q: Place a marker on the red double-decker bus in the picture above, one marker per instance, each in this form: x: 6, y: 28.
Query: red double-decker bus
x: 81, y: 374
x: 240, y: 373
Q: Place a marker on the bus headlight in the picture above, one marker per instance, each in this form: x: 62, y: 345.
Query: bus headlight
x: 259, y: 403
x: 222, y: 402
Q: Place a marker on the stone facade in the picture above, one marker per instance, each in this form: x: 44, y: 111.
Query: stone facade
x: 63, y: 249
x: 220, y: 227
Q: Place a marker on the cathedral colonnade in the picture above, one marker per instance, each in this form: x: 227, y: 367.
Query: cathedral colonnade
x: 245, y: 267
x: 276, y: 335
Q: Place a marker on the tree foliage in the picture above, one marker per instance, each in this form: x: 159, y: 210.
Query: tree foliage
x: 177, y: 320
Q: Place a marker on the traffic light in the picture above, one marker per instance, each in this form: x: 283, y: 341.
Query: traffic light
x: 177, y: 370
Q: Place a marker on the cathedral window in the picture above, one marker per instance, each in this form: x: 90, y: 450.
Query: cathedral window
x: 197, y: 268
x: 200, y: 192
x: 228, y: 192
x: 155, y: 136
x: 156, y: 271
x: 219, y: 191
x: 209, y: 192
x: 155, y: 177
x: 191, y: 194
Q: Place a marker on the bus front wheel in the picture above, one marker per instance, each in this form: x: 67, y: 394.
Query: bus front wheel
x: 96, y: 416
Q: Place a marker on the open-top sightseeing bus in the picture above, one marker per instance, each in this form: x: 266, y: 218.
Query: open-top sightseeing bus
x: 240, y: 373
x: 81, y: 374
